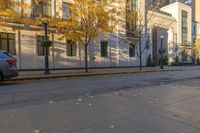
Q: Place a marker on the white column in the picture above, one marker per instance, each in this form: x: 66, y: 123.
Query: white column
x: 35, y: 50
x: 52, y: 50
x: 18, y: 48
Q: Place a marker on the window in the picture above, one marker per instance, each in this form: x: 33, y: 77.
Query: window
x: 152, y: 1
x: 131, y: 26
x: 66, y: 10
x: 184, y: 27
x: 7, y: 43
x: 194, y: 30
x: 71, y: 48
x: 42, y: 8
x: 104, y: 48
x: 40, y: 48
x: 131, y: 50
x: 131, y: 5
x: 8, y: 4
x: 184, y: 55
x: 194, y: 41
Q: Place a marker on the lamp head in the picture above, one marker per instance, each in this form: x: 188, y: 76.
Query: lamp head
x: 161, y: 37
x: 44, y: 20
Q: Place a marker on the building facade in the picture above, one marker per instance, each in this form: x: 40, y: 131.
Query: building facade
x: 162, y: 26
x: 23, y: 42
x: 183, y: 15
x: 173, y: 21
x: 196, y: 19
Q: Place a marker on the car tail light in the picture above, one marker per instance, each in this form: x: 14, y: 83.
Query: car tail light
x: 11, y: 62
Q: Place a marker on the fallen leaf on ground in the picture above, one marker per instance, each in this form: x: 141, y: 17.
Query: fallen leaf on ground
x: 79, y: 100
x: 37, y: 131
x: 90, y: 104
x: 91, y: 96
x: 146, y: 110
x: 112, y: 126
x: 50, y: 102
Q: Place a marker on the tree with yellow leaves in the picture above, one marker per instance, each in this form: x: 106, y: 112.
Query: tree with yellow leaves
x: 196, y: 48
x: 21, y: 14
x: 87, y: 20
x: 11, y: 12
x: 138, y: 21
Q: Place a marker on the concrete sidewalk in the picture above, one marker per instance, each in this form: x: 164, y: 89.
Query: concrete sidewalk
x: 35, y: 75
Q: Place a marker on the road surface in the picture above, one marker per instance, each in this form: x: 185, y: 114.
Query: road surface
x: 159, y: 102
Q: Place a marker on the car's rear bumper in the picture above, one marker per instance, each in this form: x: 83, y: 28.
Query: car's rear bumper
x: 13, y: 73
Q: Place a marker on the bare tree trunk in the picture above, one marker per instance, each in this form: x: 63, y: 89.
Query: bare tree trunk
x: 140, y: 54
x: 86, y: 58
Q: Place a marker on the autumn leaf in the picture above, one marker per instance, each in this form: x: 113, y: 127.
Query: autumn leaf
x: 90, y: 104
x: 79, y: 100
x: 112, y: 126
x: 197, y: 48
x: 50, y: 102
x: 37, y: 131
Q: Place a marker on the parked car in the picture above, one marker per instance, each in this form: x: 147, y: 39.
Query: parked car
x: 8, y: 68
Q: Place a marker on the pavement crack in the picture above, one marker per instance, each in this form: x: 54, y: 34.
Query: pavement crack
x: 178, y: 121
x: 103, y: 122
x: 11, y: 118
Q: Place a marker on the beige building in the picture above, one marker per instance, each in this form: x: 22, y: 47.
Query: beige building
x: 24, y: 43
x: 119, y: 50
x: 162, y: 24
x: 183, y: 15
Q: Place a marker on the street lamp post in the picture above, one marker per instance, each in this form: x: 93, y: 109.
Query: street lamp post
x: 161, y: 52
x: 46, y: 49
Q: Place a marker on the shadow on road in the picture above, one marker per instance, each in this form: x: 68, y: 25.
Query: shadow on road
x: 9, y: 83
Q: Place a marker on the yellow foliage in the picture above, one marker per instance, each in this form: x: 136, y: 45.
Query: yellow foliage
x: 10, y: 12
x: 15, y: 12
x: 88, y: 19
x: 197, y: 47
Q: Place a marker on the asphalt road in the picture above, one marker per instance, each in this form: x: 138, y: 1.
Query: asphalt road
x: 159, y: 102
x: 30, y: 92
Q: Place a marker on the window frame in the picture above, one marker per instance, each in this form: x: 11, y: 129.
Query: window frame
x: 132, y: 50
x: 39, y: 46
x: 8, y: 39
x: 71, y: 48
x: 131, y: 5
x: 63, y: 13
x: 184, y: 27
x: 104, y: 48
x: 41, y: 9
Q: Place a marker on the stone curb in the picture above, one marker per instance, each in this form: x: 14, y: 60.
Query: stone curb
x: 57, y: 76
